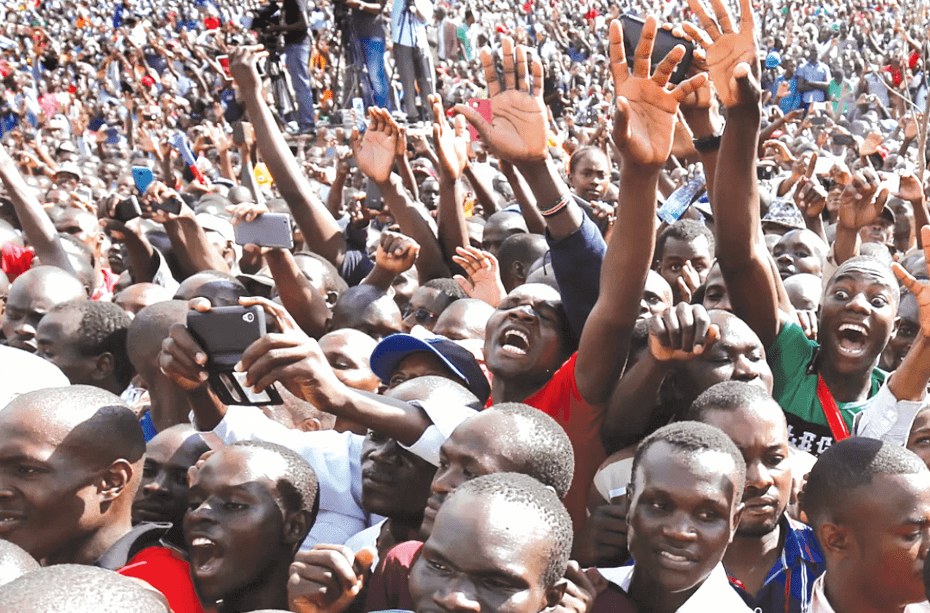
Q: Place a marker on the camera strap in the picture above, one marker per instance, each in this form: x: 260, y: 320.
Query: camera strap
x: 831, y: 411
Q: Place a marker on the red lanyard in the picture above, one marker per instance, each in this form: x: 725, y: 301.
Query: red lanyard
x: 831, y: 411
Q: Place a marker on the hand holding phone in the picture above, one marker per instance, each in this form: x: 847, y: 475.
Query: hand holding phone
x: 664, y: 42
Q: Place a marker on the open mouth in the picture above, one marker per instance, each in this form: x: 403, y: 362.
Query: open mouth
x: 205, y: 555
x: 674, y: 560
x: 852, y: 339
x: 9, y: 521
x: 515, y: 342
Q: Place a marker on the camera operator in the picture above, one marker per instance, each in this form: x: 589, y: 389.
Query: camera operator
x: 411, y: 53
x: 368, y: 25
x: 297, y: 45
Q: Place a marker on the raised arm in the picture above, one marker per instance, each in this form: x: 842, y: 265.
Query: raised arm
x: 644, y: 125
x: 733, y: 66
x: 320, y: 230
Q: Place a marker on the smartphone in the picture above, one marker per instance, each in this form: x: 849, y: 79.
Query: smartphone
x: 268, y: 230
x: 225, y: 333
x: 664, y: 42
x: 240, y: 131
x: 844, y: 139
x: 127, y: 209
x: 143, y: 177
x: 171, y: 205
x: 483, y: 106
x: 819, y: 121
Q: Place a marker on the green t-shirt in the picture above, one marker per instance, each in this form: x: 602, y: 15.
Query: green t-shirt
x: 795, y: 389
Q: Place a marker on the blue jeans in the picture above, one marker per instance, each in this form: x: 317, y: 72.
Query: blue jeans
x: 297, y: 59
x: 373, y: 50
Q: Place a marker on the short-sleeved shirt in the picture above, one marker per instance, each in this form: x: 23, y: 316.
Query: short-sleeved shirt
x: 795, y: 389
x: 560, y: 400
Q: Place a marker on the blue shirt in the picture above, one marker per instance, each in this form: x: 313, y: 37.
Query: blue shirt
x: 789, y: 585
x: 816, y: 72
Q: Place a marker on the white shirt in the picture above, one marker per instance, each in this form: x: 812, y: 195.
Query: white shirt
x: 715, y: 594
x: 820, y: 604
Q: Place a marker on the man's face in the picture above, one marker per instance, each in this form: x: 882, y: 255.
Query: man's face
x: 27, y: 303
x: 47, y: 491
x: 857, y: 317
x: 918, y: 440
x: 57, y: 339
x: 737, y: 355
x: 762, y: 437
x: 682, y: 515
x: 799, y: 251
x: 591, y: 176
x: 904, y: 335
x: 880, y: 231
x: 524, y: 335
x: 482, y: 558
x: 716, y: 295
x: 349, y: 360
x: 474, y: 449
x: 233, y: 509
x: 429, y: 193
x: 162, y: 497
x: 395, y: 482
x: 889, y: 522
x: 462, y: 323
x: 676, y: 253
x: 424, y: 308
x: 496, y: 232
x: 657, y: 296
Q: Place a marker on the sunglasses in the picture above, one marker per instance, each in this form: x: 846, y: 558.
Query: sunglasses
x: 421, y: 316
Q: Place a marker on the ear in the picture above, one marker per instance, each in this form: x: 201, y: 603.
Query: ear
x: 296, y: 527
x: 310, y: 425
x: 737, y: 515
x: 331, y: 298
x: 114, y: 480
x: 555, y: 592
x: 834, y: 539
x: 104, y: 365
x: 894, y: 327
x: 519, y: 272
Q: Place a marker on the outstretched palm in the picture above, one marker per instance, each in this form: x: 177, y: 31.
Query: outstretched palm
x: 375, y: 152
x: 726, y: 48
x: 518, y: 130
x: 646, y: 110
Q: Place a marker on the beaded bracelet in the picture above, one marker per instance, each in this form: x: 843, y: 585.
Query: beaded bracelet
x: 558, y: 205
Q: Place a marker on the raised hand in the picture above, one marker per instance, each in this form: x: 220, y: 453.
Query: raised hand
x: 484, y: 278
x: 646, y: 113
x: 397, y: 253
x: 375, y: 152
x: 910, y: 189
x: 731, y: 54
x: 518, y: 130
x: 920, y: 289
x: 451, y: 142
x: 688, y: 282
x: 243, y: 66
x: 682, y: 333
x: 809, y: 196
x: 327, y: 578
x: 245, y: 212
x: 861, y: 201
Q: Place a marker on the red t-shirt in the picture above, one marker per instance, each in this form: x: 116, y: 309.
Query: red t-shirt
x: 560, y: 400
x: 15, y: 260
x: 165, y: 571
x: 389, y: 586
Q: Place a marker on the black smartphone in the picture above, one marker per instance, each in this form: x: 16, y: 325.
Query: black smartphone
x: 819, y: 121
x: 267, y: 230
x: 171, y: 205
x: 127, y: 209
x: 373, y: 199
x: 764, y: 172
x: 665, y: 41
x: 844, y: 140
x: 224, y: 333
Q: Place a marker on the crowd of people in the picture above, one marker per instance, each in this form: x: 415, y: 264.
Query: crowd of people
x: 301, y: 302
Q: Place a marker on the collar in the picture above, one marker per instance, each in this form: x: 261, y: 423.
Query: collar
x: 715, y: 594
x: 141, y: 537
x: 820, y: 604
x: 799, y: 542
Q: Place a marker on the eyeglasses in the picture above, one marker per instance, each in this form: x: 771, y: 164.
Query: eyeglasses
x: 421, y: 316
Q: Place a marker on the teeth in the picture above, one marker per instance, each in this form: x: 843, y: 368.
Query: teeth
x: 202, y: 542
x: 520, y: 335
x: 854, y: 328
x: 673, y: 557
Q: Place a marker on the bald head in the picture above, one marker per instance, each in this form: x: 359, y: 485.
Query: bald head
x: 14, y: 562
x: 33, y: 294
x: 82, y: 419
x: 71, y: 588
x: 368, y: 309
x: 140, y: 295
x: 464, y: 319
x: 148, y: 330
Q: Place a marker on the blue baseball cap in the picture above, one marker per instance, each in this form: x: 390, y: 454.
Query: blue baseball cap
x: 393, y: 349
